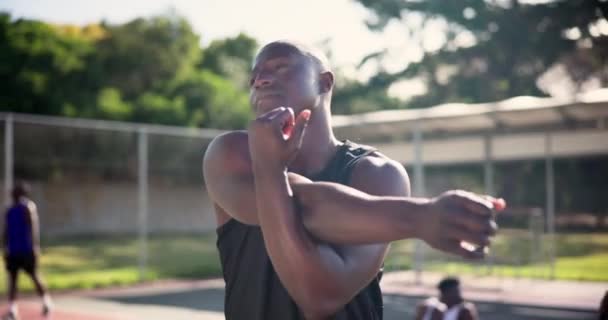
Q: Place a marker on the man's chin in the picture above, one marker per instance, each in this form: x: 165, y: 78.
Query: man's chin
x: 263, y: 108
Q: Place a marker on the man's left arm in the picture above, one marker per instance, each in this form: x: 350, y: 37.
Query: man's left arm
x: 362, y: 262
x: 34, y: 224
x: 378, y: 176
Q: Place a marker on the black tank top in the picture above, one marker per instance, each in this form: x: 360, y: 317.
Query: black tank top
x: 253, y: 288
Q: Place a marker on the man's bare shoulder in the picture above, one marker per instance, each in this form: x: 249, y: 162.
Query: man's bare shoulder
x: 231, y: 148
x: 378, y: 167
x: 377, y: 161
x: 229, y: 141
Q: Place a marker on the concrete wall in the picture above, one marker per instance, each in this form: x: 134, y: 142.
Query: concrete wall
x: 515, y: 146
x: 111, y: 208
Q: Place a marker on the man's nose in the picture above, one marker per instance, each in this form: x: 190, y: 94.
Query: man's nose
x: 263, y: 80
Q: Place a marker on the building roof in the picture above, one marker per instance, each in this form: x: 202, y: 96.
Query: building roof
x: 522, y: 113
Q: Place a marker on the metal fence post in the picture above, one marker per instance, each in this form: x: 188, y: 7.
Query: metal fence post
x: 419, y: 191
x: 550, y: 198
x: 8, y: 158
x: 142, y: 204
x: 488, y: 181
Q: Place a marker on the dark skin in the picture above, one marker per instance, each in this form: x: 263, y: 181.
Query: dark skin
x: 337, y: 238
x: 469, y: 312
x: 437, y: 314
x: 452, y: 297
x: 604, y: 308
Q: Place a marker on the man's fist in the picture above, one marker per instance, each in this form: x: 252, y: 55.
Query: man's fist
x: 458, y: 222
x: 276, y: 137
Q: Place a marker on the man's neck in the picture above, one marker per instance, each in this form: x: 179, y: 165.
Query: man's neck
x: 452, y: 303
x: 20, y: 200
x: 318, y: 147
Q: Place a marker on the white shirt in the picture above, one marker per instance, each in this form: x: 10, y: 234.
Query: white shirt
x: 449, y: 314
x: 453, y: 312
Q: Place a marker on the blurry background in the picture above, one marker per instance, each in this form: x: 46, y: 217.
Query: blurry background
x: 107, y: 108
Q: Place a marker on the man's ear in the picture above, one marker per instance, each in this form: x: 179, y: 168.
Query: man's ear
x: 326, y: 82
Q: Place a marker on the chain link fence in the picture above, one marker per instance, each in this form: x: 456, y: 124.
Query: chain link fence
x: 122, y: 202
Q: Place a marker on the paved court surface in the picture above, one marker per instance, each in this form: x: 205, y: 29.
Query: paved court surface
x: 496, y: 299
x: 29, y: 310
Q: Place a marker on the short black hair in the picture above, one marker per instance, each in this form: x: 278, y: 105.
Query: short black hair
x: 448, y: 283
x: 315, y: 55
x: 21, y: 189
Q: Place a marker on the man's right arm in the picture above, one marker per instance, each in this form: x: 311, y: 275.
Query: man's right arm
x: 229, y: 179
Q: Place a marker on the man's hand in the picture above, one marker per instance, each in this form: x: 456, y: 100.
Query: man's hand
x: 459, y: 219
x: 276, y: 137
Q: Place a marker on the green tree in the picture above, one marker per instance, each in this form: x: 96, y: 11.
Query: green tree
x: 231, y: 58
x: 156, y: 66
x: 147, y: 54
x: 514, y: 43
x: 146, y: 70
x: 352, y: 97
x: 214, y: 102
x: 39, y: 66
x: 153, y: 107
x: 111, y: 106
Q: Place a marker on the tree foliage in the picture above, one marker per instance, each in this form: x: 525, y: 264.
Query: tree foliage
x: 155, y: 69
x: 514, y: 44
x: 146, y: 70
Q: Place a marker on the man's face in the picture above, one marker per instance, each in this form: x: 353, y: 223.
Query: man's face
x: 283, y: 77
x: 451, y: 295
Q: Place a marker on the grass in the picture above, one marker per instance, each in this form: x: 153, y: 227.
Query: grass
x: 81, y: 263
x: 84, y: 263
x: 582, y: 257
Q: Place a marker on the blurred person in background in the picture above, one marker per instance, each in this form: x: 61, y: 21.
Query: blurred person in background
x: 449, y: 306
x: 22, y: 247
x: 304, y: 218
x: 430, y: 309
x: 603, y: 312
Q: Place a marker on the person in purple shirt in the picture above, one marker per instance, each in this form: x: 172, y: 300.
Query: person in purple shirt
x: 22, y: 247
